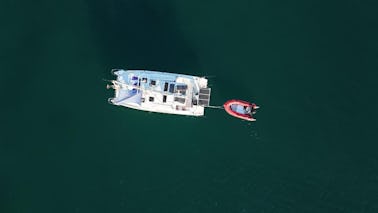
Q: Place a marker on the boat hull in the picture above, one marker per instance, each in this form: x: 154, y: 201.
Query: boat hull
x: 244, y: 116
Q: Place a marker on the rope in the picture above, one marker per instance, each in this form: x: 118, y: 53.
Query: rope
x: 215, y: 107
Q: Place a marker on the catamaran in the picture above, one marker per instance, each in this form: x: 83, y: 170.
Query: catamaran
x: 161, y: 92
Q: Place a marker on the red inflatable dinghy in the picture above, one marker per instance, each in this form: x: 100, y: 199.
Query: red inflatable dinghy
x: 240, y: 109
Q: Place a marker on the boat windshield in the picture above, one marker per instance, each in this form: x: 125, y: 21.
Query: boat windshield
x: 239, y: 109
x: 245, y: 110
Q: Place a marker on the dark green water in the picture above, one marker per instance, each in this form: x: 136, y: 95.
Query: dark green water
x: 310, y: 65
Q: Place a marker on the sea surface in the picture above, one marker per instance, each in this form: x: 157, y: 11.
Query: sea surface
x: 312, y: 66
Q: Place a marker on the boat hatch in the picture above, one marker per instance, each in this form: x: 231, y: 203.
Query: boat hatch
x: 204, y: 96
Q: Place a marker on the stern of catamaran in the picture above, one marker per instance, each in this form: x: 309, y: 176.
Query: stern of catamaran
x: 204, y: 97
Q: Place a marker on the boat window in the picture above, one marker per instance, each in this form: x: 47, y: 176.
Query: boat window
x: 171, y: 88
x: 165, y: 86
x: 164, y: 98
x: 181, y: 87
x: 180, y: 100
x: 153, y: 82
x: 151, y: 99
